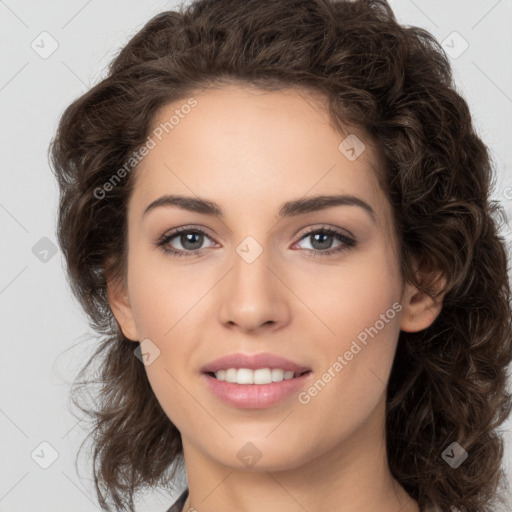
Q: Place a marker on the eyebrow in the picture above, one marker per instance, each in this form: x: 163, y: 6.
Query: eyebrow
x: 288, y: 209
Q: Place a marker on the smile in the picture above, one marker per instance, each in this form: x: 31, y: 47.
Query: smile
x: 258, y: 376
x: 249, y: 395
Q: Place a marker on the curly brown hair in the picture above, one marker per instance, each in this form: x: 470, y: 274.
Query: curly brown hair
x: 448, y: 382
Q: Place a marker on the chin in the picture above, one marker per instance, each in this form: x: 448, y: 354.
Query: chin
x: 259, y: 454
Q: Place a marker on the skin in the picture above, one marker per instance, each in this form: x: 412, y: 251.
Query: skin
x: 250, y: 151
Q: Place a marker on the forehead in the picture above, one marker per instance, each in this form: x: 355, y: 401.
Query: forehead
x: 243, y: 142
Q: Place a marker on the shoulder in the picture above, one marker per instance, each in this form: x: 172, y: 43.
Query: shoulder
x: 178, y: 504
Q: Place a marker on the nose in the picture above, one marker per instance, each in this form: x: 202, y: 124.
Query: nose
x: 253, y: 295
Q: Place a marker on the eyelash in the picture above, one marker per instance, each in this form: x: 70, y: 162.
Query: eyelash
x: 348, y: 242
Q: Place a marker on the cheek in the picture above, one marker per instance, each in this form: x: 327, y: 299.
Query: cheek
x: 361, y: 309
x: 158, y: 295
x: 162, y: 306
x: 350, y: 298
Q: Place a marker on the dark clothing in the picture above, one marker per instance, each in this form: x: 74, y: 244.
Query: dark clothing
x: 178, y: 504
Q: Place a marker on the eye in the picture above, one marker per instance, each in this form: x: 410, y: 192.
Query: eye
x: 322, y: 239
x: 191, y: 239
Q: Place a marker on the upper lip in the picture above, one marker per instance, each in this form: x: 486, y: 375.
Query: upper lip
x: 253, y: 362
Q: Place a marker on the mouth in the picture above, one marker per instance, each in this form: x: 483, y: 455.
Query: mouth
x: 255, y: 381
x: 255, y: 389
x: 259, y: 376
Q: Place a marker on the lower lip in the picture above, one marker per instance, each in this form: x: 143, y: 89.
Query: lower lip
x: 255, y: 396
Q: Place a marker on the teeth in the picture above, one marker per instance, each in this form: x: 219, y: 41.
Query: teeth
x: 259, y: 376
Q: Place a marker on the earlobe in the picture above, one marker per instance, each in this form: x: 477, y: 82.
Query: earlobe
x: 419, y: 309
x: 120, y: 305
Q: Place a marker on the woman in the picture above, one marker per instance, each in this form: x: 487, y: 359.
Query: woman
x: 277, y: 215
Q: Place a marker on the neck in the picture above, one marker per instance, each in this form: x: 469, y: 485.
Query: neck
x: 351, y: 477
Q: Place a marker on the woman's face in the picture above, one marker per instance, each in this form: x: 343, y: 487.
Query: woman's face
x: 261, y: 277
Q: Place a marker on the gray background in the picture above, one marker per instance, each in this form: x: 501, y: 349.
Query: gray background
x: 45, y: 337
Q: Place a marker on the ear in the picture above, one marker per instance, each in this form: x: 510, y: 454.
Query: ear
x: 120, y: 305
x: 419, y: 309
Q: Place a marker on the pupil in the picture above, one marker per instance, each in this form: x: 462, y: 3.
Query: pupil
x: 323, y: 245
x: 185, y: 240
